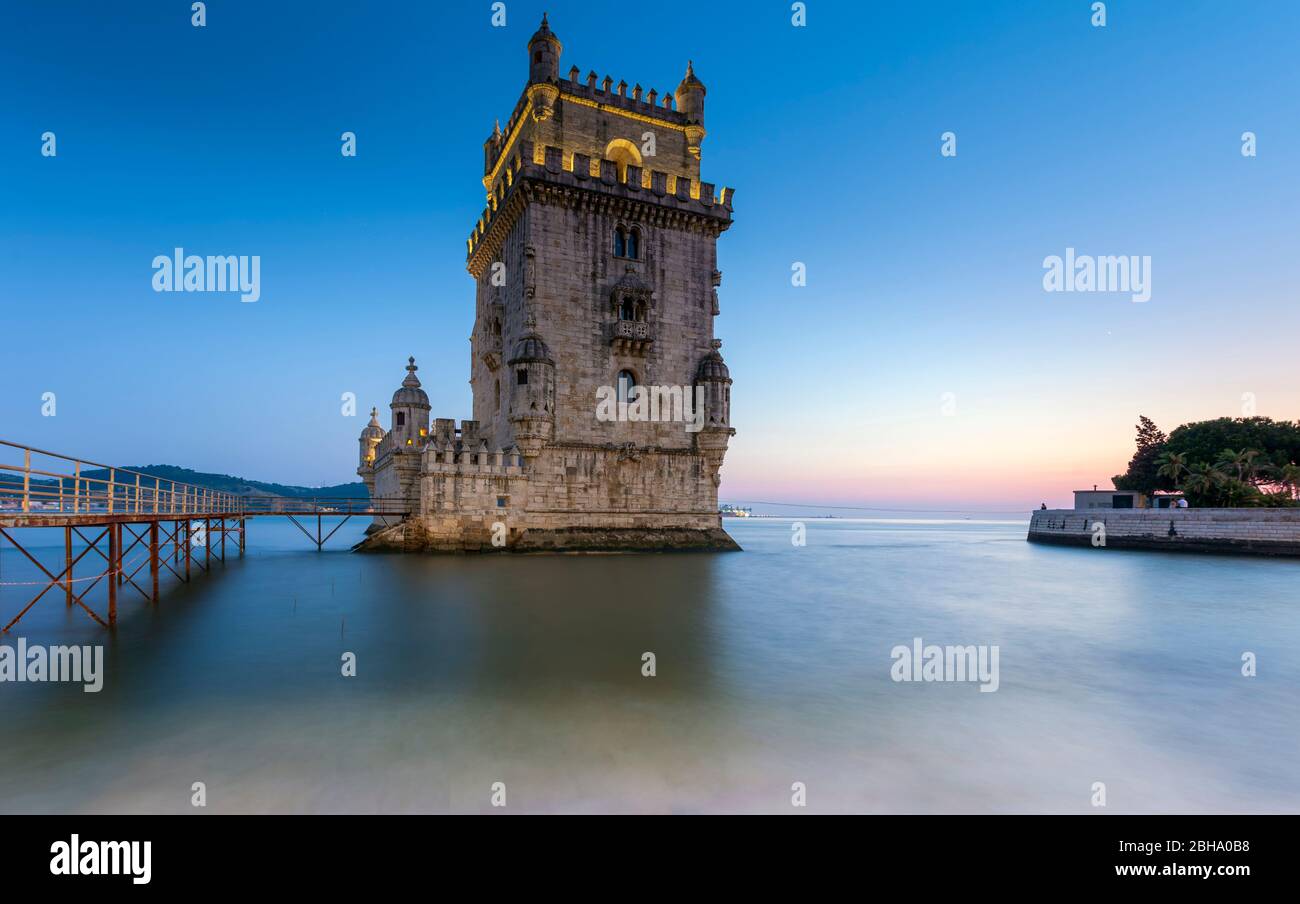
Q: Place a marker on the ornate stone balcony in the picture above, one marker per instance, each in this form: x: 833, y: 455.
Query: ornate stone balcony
x: 630, y: 336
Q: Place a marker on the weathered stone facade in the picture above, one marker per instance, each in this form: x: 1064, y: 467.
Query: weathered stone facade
x: 596, y: 280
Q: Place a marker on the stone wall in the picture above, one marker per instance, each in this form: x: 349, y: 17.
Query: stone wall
x: 1248, y: 531
x: 396, y: 475
x: 554, y: 234
x: 568, y: 497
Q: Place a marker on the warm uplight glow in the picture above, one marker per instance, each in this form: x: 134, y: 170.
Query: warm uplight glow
x: 624, y: 154
x: 610, y: 108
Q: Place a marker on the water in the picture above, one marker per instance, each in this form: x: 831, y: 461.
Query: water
x: 772, y: 668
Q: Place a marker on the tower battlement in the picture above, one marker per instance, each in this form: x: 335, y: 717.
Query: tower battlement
x: 638, y: 104
x: 565, y: 168
x: 595, y: 116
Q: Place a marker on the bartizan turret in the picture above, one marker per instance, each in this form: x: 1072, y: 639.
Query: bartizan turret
x: 690, y: 103
x: 371, y: 436
x: 712, y: 375
x: 544, y: 50
x: 532, y: 391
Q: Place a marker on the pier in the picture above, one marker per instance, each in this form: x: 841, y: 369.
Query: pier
x: 1234, y: 531
x: 129, y: 521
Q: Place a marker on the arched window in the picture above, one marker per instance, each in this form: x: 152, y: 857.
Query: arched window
x: 626, y: 383
x: 620, y: 242
x: 401, y: 419
x: 624, y: 153
x: 627, y: 310
x: 634, y: 243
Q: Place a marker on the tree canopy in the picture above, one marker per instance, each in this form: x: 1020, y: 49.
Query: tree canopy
x: 1243, y: 461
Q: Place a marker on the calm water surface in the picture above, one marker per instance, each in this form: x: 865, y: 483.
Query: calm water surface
x: 773, y: 667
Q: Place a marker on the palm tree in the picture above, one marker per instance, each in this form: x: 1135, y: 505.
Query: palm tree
x: 1203, y: 481
x: 1243, y: 462
x: 1172, y: 465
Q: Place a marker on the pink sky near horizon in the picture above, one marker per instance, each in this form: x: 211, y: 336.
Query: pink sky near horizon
x: 980, y: 461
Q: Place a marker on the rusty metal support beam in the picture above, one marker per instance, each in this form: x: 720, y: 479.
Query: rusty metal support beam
x: 114, y: 565
x: 67, y: 560
x: 55, y: 580
x: 153, y: 557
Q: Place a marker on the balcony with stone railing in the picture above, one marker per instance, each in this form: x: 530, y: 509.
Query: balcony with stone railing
x: 630, y: 337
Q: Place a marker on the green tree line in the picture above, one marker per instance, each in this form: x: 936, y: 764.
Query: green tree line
x: 1226, y: 462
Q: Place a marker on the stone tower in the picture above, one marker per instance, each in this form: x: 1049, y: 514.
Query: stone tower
x: 596, y: 276
x: 599, y: 229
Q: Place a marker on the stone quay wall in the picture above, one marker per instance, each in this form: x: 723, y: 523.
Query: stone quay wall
x: 1248, y: 531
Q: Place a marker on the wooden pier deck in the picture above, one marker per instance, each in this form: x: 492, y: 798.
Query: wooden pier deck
x: 129, y: 521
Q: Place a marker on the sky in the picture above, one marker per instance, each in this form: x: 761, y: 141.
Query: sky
x: 922, y: 365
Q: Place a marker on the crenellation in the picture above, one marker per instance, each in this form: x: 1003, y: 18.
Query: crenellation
x: 548, y: 161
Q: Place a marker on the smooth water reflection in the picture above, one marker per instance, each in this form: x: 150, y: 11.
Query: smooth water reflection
x: 772, y: 667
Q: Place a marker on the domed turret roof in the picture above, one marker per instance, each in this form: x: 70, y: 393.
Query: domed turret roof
x: 410, y: 392
x: 531, y: 346
x: 373, y: 430
x: 689, y: 80
x: 544, y: 33
x: 712, y: 367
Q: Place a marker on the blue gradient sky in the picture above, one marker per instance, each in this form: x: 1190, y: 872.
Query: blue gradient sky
x: 924, y: 273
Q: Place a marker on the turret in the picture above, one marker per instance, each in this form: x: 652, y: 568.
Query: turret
x: 410, y: 409
x: 492, y: 148
x: 543, y: 71
x: 690, y: 102
x: 532, y: 391
x: 544, y: 50
x: 371, y: 436
x: 712, y: 375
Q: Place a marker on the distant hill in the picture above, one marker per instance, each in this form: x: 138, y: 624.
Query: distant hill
x: 223, y: 483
